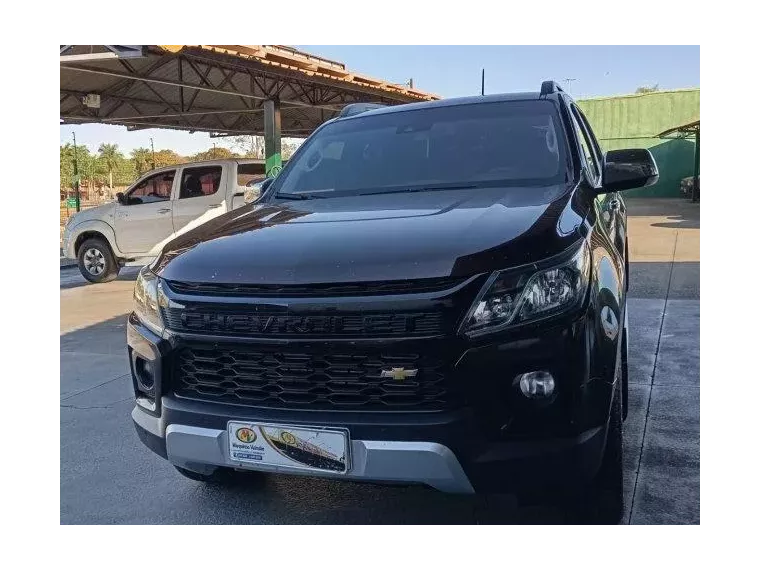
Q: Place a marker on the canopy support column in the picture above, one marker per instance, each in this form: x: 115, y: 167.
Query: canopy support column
x: 695, y: 191
x: 272, y: 137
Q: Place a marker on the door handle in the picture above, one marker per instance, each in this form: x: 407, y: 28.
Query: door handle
x: 212, y: 206
x: 164, y: 210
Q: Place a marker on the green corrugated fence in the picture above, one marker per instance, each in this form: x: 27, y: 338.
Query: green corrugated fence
x: 632, y: 121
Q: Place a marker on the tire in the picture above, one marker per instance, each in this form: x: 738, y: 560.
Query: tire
x: 624, y: 366
x: 224, y: 476
x: 601, y: 502
x: 96, y: 261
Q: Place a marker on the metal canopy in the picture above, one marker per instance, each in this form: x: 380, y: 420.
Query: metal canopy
x: 681, y: 131
x: 212, y: 88
x: 688, y: 130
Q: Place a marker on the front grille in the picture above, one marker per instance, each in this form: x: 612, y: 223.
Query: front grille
x: 247, y: 321
x: 275, y: 378
x: 316, y: 289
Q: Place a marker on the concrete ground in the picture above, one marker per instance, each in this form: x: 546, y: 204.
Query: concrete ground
x: 107, y: 476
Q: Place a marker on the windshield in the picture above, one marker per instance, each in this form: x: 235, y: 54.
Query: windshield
x: 472, y: 145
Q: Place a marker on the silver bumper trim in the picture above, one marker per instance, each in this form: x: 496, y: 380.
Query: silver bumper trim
x: 146, y: 421
x: 199, y: 449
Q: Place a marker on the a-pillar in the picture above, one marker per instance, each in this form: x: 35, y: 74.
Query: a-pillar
x: 272, y: 137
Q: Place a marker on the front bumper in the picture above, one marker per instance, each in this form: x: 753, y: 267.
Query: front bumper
x: 462, y: 450
x: 67, y: 244
x: 561, y: 462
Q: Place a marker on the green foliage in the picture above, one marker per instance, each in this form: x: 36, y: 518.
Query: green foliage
x: 141, y: 159
x: 109, y: 167
x: 648, y: 89
x: 168, y: 157
x: 109, y: 155
x: 217, y: 153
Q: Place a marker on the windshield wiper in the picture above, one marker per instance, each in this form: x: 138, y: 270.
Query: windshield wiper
x: 419, y: 189
x: 304, y: 196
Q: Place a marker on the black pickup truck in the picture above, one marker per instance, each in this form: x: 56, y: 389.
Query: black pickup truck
x: 431, y: 293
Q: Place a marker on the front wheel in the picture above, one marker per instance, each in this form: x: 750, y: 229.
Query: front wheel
x: 96, y: 261
x: 601, y: 502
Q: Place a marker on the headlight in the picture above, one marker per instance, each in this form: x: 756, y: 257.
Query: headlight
x: 517, y: 296
x: 149, y: 296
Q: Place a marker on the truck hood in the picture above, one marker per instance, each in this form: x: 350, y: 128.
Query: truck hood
x: 445, y: 233
x: 103, y: 212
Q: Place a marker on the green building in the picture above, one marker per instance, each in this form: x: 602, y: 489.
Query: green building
x: 633, y: 121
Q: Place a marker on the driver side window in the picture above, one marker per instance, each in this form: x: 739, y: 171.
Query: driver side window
x: 156, y: 188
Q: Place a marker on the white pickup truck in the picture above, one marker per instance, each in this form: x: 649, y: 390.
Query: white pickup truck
x: 162, y: 204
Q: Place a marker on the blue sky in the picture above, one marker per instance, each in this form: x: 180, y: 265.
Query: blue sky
x: 452, y: 71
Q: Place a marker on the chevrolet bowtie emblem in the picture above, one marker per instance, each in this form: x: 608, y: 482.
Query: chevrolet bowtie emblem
x: 400, y: 374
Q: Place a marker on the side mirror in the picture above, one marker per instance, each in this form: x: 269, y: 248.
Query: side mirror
x: 630, y: 168
x: 120, y: 198
x: 255, y: 190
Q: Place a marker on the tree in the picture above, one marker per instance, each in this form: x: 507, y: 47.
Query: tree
x: 168, y: 157
x: 253, y: 146
x: 142, y: 159
x: 109, y: 153
x: 289, y: 146
x: 250, y: 146
x: 214, y: 153
x: 67, y: 166
x: 648, y: 89
x: 85, y: 164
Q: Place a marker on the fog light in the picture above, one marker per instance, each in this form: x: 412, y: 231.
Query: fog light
x: 535, y: 385
x: 144, y: 374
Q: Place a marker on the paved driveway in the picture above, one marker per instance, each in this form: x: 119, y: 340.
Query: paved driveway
x: 107, y: 476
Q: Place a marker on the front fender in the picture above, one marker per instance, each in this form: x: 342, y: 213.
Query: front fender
x: 94, y: 226
x: 607, y: 306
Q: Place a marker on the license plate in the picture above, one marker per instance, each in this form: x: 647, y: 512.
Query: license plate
x: 311, y: 449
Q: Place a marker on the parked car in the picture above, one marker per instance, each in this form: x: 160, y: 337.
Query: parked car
x: 431, y: 293
x: 162, y: 204
x: 687, y: 187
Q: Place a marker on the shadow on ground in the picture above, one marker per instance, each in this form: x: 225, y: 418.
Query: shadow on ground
x: 678, y: 222
x: 105, y: 470
x: 74, y: 278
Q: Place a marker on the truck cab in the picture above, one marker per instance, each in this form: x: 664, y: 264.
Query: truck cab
x: 161, y: 205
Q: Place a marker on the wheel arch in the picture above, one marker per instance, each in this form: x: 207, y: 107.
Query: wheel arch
x: 95, y: 229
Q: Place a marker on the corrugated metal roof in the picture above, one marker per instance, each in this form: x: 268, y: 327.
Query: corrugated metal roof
x: 640, y: 116
x: 214, y: 88
x: 310, y: 65
x: 686, y: 129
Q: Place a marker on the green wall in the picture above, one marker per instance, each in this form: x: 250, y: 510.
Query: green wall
x: 632, y: 121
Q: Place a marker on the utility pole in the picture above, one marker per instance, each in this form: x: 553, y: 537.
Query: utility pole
x: 152, y: 152
x: 411, y: 83
x: 483, y: 82
x: 568, y: 81
x: 76, y: 172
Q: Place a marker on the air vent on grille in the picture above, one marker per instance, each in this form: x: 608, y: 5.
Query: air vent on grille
x: 315, y: 289
x: 270, y: 377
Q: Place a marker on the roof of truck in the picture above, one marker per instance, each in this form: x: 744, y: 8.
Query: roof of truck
x: 472, y: 100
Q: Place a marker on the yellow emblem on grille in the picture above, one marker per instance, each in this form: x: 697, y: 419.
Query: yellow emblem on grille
x: 399, y: 374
